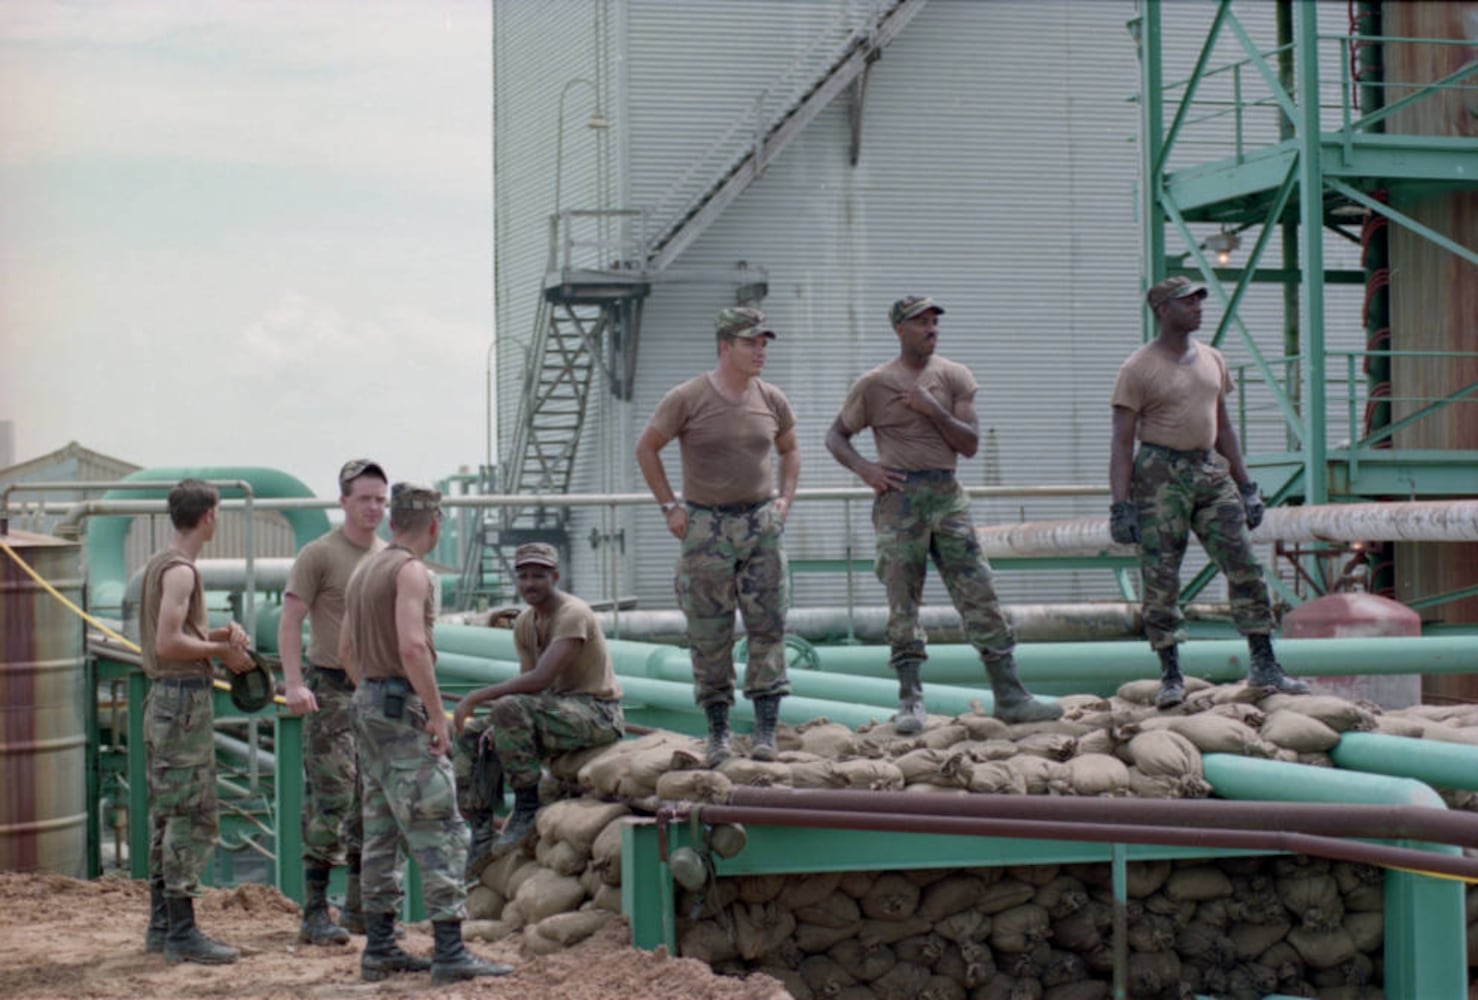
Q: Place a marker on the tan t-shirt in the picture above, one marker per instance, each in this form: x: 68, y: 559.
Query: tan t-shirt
x: 725, y: 446
x: 319, y: 576
x: 1176, y: 402
x: 196, y: 624
x: 369, y: 612
x: 904, y: 438
x: 592, y: 672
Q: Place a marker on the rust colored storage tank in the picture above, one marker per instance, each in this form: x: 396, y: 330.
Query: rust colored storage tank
x: 1353, y: 616
x: 43, y: 734
x: 1434, y: 297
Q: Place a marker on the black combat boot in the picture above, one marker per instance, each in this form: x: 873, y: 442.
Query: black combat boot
x: 382, y: 956
x: 158, y: 918
x: 766, y: 717
x: 1266, y: 671
x: 718, y: 733
x: 1172, y: 684
x: 317, y: 926
x: 518, y: 827
x: 483, y: 834
x: 1013, y: 702
x: 452, y: 961
x: 185, y: 943
x: 909, y: 718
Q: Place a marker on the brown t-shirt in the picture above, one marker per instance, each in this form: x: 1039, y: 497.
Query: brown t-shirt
x: 1176, y: 401
x: 319, y: 577
x: 725, y: 446
x: 196, y: 624
x: 592, y: 672
x: 904, y: 438
x: 369, y: 612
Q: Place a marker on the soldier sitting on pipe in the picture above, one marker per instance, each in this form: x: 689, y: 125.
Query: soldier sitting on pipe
x: 564, y: 698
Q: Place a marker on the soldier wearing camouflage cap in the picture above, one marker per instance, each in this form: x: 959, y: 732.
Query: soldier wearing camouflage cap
x: 316, y: 686
x: 1188, y: 475
x: 565, y: 698
x: 730, y: 521
x: 921, y: 408
x: 409, y: 792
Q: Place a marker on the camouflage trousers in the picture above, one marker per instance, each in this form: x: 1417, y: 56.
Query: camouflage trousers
x: 734, y: 557
x: 520, y: 732
x: 1176, y: 493
x: 410, y: 803
x: 333, y: 825
x: 929, y: 518
x: 179, y: 739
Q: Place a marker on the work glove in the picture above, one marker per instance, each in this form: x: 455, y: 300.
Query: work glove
x: 1252, y: 504
x: 1124, y: 522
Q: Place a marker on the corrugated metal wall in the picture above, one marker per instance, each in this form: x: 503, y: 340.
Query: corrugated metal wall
x: 998, y: 172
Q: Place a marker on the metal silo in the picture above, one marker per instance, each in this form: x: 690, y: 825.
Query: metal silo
x: 43, y: 739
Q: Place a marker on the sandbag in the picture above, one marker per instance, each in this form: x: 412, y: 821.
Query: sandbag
x: 942, y: 737
x: 984, y: 727
x: 824, y: 976
x: 997, y: 777
x: 1020, y: 928
x: 861, y: 962
x: 891, y: 897
x: 814, y: 938
x: 605, y: 853
x: 1298, y: 732
x: 1219, y: 734
x: 755, y: 773
x: 561, y: 856
x: 1098, y: 774
x: 950, y: 895
x: 837, y: 909
x: 1368, y: 930
x: 830, y: 739
x: 904, y: 981
x: 485, y: 930
x: 873, y: 775
x: 924, y: 764
x: 707, y: 942
x: 808, y: 890
x: 545, y: 893
x: 1322, y: 949
x: 496, y: 875
x: 759, y: 928
x: 815, y: 774
x: 1338, y: 714
x: 1041, y: 776
x: 1313, y: 899
x: 1164, y: 753
x: 694, y: 786
x: 1197, y: 883
x: 565, y: 929
x: 484, y: 903
x: 1053, y: 746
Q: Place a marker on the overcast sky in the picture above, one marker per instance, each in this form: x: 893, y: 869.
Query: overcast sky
x: 247, y: 232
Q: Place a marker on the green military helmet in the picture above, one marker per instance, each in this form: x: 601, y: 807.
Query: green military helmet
x: 689, y: 868
x: 252, y: 690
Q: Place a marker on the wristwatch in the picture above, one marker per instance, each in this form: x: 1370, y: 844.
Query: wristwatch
x: 669, y: 507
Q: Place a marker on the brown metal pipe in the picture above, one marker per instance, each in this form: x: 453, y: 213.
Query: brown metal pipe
x: 1456, y: 866
x: 1317, y: 818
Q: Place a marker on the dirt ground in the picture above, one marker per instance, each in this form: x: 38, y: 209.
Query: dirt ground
x: 61, y: 937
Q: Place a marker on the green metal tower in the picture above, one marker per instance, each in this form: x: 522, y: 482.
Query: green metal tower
x: 1320, y: 139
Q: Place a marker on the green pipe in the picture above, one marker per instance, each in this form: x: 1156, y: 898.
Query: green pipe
x: 1440, y: 764
x: 671, y: 695
x: 1213, y: 659
x: 1236, y: 777
x: 669, y: 663
x: 106, y: 570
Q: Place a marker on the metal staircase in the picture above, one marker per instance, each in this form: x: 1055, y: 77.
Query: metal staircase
x: 601, y: 267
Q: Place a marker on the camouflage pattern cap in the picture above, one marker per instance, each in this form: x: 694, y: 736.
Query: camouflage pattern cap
x: 741, y: 321
x: 1177, y: 287
x: 910, y: 306
x: 536, y: 554
x: 412, y: 496
x: 356, y: 467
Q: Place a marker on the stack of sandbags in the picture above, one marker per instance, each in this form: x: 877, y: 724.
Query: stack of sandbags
x: 1241, y: 927
x: 566, y: 890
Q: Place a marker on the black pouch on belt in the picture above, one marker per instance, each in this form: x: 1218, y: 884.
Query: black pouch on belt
x: 396, y: 689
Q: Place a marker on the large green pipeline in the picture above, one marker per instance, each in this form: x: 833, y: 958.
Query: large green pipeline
x: 1440, y: 764
x: 1213, y: 659
x: 1232, y: 776
x: 107, y: 574
x: 668, y: 695
x: 669, y: 663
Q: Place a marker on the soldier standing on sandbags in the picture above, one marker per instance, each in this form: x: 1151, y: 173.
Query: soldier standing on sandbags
x: 410, y: 797
x: 176, y: 645
x: 731, y: 522
x: 564, y: 698
x: 1188, y: 475
x: 921, y: 408
x: 333, y: 828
